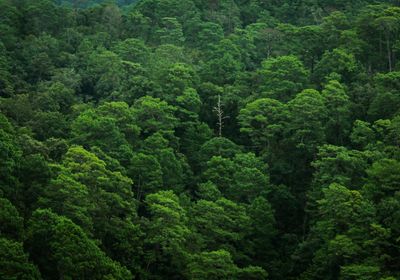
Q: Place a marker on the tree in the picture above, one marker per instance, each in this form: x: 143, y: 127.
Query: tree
x: 250, y: 179
x: 383, y: 177
x: 111, y: 19
x: 224, y: 64
x: 263, y: 231
x: 359, y: 272
x: 338, y: 61
x: 110, y: 127
x: 104, y: 73
x: 6, y: 85
x: 156, y: 9
x: 136, y: 25
x: 263, y: 120
x: 219, y: 171
x: 192, y: 141
x: 11, y: 223
x: 56, y: 96
x: 282, y: 78
x: 10, y: 155
x: 336, y: 165
x: 340, y: 165
x: 88, y: 169
x: 69, y: 198
x: 40, y: 56
x: 308, y: 42
x: 362, y: 134
x: 175, y: 171
x: 62, y: 249
x: 10, y: 26
x: 167, y: 233
x: 308, y: 113
x: 387, y: 23
x: 178, y: 78
x: 208, y: 191
x: 384, y: 103
x: 209, y: 33
x: 42, y: 16
x: 163, y: 58
x: 218, y: 146
x: 219, y: 224
x: 134, y: 50
x: 346, y: 216
x: 153, y: 115
x: 220, y: 115
x: 241, y: 178
x: 112, y: 205
x: 170, y: 32
x: 334, y: 25
x: 147, y: 174
x: 212, y: 265
x: 14, y: 262
x: 34, y: 172
x: 338, y: 109
x: 266, y: 39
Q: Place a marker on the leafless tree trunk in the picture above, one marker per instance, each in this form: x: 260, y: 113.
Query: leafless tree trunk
x: 220, y: 114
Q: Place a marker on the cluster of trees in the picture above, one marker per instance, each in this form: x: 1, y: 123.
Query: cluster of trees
x: 188, y: 139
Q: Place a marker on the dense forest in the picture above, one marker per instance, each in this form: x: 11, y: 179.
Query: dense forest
x: 200, y: 139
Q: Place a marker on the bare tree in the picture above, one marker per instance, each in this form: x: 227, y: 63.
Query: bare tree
x: 220, y: 114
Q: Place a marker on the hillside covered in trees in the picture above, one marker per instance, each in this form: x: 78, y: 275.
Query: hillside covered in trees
x: 200, y: 140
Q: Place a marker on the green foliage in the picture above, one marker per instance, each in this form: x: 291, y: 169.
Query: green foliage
x: 383, y: 177
x: 219, y: 265
x: 338, y: 106
x: 212, y: 265
x: 61, y: 248
x: 225, y: 63
x: 307, y: 112
x: 110, y: 127
x: 153, y: 115
x: 282, y: 77
x: 167, y: 232
x: 263, y: 120
x: 241, y: 178
x: 208, y: 191
x: 170, y: 32
x: 69, y: 198
x: 385, y: 102
x: 190, y: 139
x: 218, y: 146
x: 359, y: 272
x: 147, y: 173
x: 14, y: 263
x: 220, y: 222
x: 11, y: 224
x: 362, y: 134
x: 9, y: 155
x: 134, y: 50
x: 263, y: 230
x: 337, y: 61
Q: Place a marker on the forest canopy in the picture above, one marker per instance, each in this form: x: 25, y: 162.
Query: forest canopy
x: 200, y: 140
